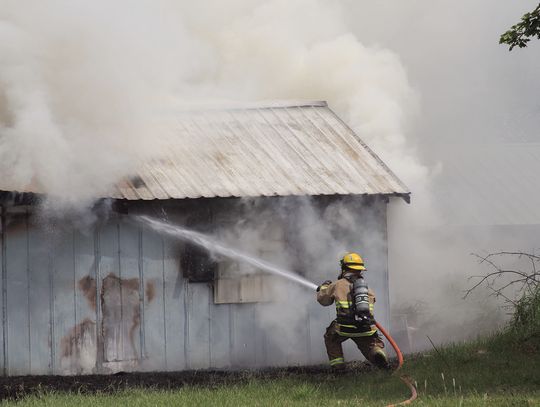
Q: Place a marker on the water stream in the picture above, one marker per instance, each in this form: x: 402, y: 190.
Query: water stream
x: 216, y: 247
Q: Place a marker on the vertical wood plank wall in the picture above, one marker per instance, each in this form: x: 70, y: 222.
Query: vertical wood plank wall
x: 113, y: 298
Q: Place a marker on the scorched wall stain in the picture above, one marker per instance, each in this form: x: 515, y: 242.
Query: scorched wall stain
x: 121, y: 318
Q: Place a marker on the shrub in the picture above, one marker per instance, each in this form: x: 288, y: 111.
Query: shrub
x: 526, y: 319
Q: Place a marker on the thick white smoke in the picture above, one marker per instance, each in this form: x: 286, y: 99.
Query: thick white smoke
x: 87, y: 88
x: 81, y: 84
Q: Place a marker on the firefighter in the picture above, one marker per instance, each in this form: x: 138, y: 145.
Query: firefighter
x: 345, y: 326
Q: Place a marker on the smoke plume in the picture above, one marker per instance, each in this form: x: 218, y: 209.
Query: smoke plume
x: 89, y: 90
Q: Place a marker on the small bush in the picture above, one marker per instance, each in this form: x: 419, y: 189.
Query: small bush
x: 526, y: 320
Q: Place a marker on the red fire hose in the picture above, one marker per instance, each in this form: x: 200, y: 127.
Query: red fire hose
x: 405, y: 379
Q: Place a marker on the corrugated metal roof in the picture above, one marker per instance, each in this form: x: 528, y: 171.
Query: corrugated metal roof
x: 302, y: 149
x: 277, y: 149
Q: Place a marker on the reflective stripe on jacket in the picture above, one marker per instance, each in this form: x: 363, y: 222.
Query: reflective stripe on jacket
x: 339, y: 293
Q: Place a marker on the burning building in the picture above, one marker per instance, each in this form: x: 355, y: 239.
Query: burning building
x: 290, y: 183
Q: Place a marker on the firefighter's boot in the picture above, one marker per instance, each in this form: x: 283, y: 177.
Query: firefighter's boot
x: 379, y: 359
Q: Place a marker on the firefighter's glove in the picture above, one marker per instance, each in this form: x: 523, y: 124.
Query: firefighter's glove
x: 327, y: 282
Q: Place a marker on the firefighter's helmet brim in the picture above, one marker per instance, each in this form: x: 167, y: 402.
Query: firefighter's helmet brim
x: 358, y: 267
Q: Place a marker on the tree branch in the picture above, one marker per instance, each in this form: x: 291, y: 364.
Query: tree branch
x: 524, y: 280
x: 521, y: 33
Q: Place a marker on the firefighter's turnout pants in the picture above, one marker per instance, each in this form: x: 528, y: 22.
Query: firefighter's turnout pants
x: 370, y: 345
x: 346, y: 327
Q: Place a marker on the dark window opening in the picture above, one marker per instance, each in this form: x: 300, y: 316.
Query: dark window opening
x: 197, y: 264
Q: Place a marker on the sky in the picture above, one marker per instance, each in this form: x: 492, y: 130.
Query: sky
x: 475, y: 97
x: 472, y: 89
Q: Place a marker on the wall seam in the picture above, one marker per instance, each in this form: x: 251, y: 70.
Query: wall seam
x: 387, y: 274
x: 52, y: 334
x: 99, y: 329
x: 142, y: 344
x: 74, y: 251
x: 210, y: 325
x: 186, y: 324
x: 28, y: 302
x: 4, y: 294
x: 122, y: 355
x: 164, y: 305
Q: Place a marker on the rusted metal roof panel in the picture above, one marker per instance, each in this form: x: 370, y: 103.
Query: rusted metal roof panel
x: 302, y: 149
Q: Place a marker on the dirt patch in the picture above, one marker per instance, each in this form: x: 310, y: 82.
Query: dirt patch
x: 71, y: 343
x: 87, y: 285
x: 112, y: 281
x: 120, y: 306
x: 21, y: 386
x: 121, y: 317
x: 150, y: 291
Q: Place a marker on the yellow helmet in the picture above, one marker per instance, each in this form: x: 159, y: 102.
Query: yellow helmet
x: 352, y: 261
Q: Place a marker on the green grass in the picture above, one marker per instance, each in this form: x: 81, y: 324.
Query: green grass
x: 275, y: 393
x: 498, y: 371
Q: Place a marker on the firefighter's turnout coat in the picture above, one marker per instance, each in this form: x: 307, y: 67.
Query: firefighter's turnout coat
x: 340, y: 294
